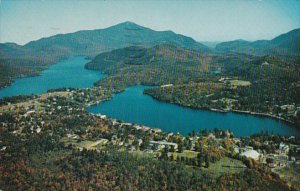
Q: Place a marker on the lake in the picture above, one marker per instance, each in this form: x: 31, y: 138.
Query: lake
x: 66, y: 73
x: 135, y: 107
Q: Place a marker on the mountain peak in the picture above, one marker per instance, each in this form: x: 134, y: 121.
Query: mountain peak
x: 128, y: 25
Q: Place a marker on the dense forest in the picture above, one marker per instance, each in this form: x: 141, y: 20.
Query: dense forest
x: 43, y: 163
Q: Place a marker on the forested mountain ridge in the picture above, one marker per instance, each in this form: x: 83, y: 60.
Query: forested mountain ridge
x: 161, y: 64
x: 284, y: 44
x: 11, y: 49
x: 93, y: 42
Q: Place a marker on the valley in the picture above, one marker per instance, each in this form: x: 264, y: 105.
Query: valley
x: 130, y: 108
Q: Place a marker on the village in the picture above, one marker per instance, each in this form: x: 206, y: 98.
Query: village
x: 62, y: 114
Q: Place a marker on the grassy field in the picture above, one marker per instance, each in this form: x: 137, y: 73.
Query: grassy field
x: 85, y: 143
x: 225, y: 166
x: 185, y: 153
x: 239, y: 83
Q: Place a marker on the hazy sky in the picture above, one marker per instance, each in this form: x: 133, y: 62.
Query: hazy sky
x: 212, y: 20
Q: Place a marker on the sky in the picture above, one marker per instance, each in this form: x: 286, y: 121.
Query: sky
x: 22, y: 21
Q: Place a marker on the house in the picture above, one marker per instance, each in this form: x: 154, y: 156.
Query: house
x: 170, y: 134
x: 265, y: 63
x: 156, y: 130
x: 38, y: 130
x: 137, y: 127
x: 290, y: 109
x: 166, y: 85
x: 146, y: 128
x: 253, y: 154
x: 211, y: 136
x: 282, y: 160
x: 103, y: 117
x: 248, y: 148
x: 140, y: 141
x: 283, y: 148
x: 236, y: 149
x: 162, y: 144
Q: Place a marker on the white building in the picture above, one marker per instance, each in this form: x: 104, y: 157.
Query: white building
x: 251, y: 154
x: 283, y: 148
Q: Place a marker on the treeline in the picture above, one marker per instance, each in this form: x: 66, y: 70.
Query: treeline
x: 16, y: 99
x: 12, y: 68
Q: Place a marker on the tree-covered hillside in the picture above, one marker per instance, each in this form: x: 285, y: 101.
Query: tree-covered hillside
x: 284, y: 45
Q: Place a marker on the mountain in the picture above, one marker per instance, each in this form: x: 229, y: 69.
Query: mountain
x: 36, y: 55
x: 157, y: 65
x: 93, y: 42
x: 10, y: 50
x: 162, y: 54
x: 285, y: 44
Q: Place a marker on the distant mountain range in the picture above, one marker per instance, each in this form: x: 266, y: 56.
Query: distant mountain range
x: 92, y: 42
x: 285, y: 44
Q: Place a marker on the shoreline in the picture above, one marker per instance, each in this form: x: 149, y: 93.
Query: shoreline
x: 264, y: 115
x: 195, y: 108
x: 93, y: 102
x: 231, y: 110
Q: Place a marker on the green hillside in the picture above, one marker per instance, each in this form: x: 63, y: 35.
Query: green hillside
x: 285, y: 44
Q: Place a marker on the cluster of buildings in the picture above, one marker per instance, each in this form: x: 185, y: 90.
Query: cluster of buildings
x: 59, y: 111
x: 281, y: 156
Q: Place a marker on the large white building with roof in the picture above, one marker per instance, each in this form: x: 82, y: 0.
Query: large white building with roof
x: 251, y: 154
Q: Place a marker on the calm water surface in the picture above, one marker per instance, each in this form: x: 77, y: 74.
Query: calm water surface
x: 67, y: 73
x: 135, y: 107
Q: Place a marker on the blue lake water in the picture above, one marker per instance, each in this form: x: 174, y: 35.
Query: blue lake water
x: 66, y: 73
x: 135, y: 107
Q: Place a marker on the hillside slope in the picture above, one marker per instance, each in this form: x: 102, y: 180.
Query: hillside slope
x: 285, y: 44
